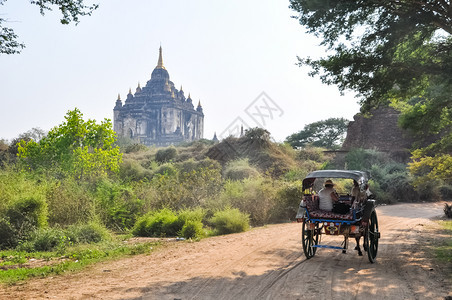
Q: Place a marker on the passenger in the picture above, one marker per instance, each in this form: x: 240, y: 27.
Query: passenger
x: 327, y: 196
x: 355, y: 193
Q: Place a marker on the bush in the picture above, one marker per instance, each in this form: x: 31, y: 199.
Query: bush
x: 166, y: 155
x: 117, y: 205
x: 166, y: 169
x: 8, y: 237
x: 70, y: 202
x: 239, y: 170
x: 88, y: 233
x: 157, y: 224
x: 45, y: 240
x: 192, y: 229
x: 364, y: 159
x: 27, y: 214
x: 288, y: 198
x: 254, y: 196
x: 131, y: 170
x: 136, y: 147
x: 229, y: 221
x: 446, y: 192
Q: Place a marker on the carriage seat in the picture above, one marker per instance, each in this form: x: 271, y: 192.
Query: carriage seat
x: 312, y: 206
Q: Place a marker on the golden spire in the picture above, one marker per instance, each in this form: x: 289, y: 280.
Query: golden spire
x: 119, y: 97
x: 139, y: 85
x: 160, y: 62
x: 130, y: 90
x: 199, y: 103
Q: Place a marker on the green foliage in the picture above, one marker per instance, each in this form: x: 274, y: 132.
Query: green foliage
x: 26, y: 214
x: 396, y: 53
x: 76, y: 257
x: 131, y: 170
x: 288, y: 199
x: 136, y: 147
x: 88, y: 233
x: 239, y: 170
x: 166, y: 154
x: 8, y: 236
x: 46, y: 239
x: 428, y: 168
x: 192, y: 230
x: 70, y: 202
x: 446, y: 192
x: 157, y: 224
x: 391, y: 182
x: 364, y: 159
x: 444, y: 252
x: 164, y: 222
x: 229, y: 221
x: 117, y: 205
x: 77, y: 148
x: 254, y: 196
x: 191, y: 186
x: 328, y: 134
x: 70, y: 10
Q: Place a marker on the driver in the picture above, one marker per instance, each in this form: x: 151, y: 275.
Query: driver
x: 327, y: 195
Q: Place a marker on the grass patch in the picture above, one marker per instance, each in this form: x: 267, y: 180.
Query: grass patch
x: 18, y: 266
x: 444, y: 251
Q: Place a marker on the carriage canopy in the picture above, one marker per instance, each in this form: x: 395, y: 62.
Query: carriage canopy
x: 360, y: 176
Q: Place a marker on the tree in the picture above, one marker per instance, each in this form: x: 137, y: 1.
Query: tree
x: 78, y: 148
x: 71, y: 10
x: 389, y: 51
x: 328, y: 134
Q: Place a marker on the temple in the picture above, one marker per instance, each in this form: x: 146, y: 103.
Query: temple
x: 158, y: 114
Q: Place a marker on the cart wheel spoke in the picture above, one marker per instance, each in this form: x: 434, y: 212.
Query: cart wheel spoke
x: 372, y: 236
x: 310, y: 238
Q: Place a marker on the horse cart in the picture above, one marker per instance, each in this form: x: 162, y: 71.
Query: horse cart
x: 356, y: 217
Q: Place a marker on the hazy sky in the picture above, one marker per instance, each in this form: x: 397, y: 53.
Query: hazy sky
x: 224, y: 52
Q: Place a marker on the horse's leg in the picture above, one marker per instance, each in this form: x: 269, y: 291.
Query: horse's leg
x: 357, y: 238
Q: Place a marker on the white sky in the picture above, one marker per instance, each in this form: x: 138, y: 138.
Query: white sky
x: 224, y: 52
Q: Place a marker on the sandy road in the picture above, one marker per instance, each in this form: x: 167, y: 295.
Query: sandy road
x: 267, y: 263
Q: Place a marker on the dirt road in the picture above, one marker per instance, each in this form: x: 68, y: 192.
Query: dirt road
x: 267, y: 263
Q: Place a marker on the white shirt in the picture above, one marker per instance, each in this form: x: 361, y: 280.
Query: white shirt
x: 325, y: 200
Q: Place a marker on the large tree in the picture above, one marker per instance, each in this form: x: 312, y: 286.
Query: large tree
x: 389, y: 51
x: 70, y: 10
x: 327, y: 134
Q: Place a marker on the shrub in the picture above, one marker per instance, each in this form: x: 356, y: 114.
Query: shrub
x: 230, y: 221
x: 117, y: 205
x: 136, y: 147
x: 192, y: 229
x: 157, y: 224
x: 166, y: 169
x: 88, y: 233
x: 191, y: 215
x: 47, y: 239
x: 131, y: 170
x: 27, y: 214
x: 70, y: 202
x: 8, y: 237
x: 311, y: 153
x: 256, y: 197
x: 166, y: 155
x: 288, y: 198
x: 364, y: 159
x: 239, y: 170
x: 446, y: 192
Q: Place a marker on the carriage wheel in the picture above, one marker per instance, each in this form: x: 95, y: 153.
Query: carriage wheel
x: 372, y: 236
x: 309, y: 237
